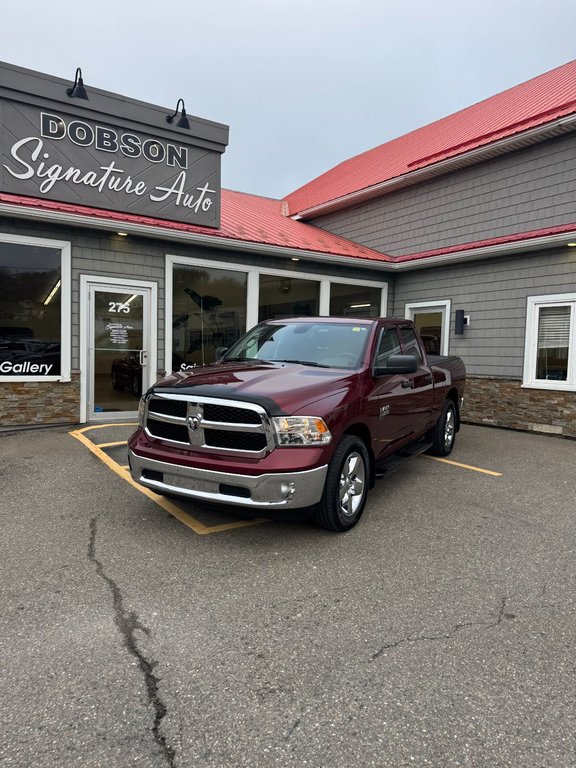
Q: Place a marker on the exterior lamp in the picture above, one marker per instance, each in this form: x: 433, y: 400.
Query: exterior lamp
x: 77, y: 91
x: 183, y: 122
x: 461, y: 320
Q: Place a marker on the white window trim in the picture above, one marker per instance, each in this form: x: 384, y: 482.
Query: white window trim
x: 252, y: 289
x: 445, y: 306
x: 533, y: 306
x: 65, y: 304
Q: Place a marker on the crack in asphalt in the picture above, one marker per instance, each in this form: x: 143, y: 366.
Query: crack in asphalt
x: 128, y: 623
x: 293, y: 727
x: 445, y: 635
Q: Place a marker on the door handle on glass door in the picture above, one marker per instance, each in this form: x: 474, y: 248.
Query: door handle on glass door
x: 143, y: 357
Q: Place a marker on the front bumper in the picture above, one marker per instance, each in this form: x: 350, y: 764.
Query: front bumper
x: 269, y: 491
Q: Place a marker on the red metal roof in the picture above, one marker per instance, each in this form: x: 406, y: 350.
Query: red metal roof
x: 259, y: 220
x: 529, y: 105
x: 244, y: 217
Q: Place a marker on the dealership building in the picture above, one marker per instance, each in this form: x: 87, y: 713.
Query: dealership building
x: 121, y: 258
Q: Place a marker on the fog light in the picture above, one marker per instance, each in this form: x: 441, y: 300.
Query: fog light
x: 287, y: 490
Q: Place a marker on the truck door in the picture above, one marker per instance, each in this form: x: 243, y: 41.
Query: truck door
x: 389, y: 406
x: 422, y: 388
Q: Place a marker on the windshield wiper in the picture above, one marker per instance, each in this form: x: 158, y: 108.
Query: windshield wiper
x: 302, y: 362
x: 235, y: 359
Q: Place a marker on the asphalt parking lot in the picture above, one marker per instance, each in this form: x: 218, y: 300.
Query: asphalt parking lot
x: 438, y: 632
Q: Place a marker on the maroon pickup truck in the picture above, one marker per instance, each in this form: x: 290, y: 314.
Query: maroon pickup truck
x: 299, y: 413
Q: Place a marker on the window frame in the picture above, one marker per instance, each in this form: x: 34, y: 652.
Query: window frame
x: 65, y: 304
x: 533, y: 306
x: 443, y: 306
x: 253, y: 290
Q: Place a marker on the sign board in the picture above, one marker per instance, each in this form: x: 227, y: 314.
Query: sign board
x: 76, y: 151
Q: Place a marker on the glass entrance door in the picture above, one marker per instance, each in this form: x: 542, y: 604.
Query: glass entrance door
x: 118, y: 350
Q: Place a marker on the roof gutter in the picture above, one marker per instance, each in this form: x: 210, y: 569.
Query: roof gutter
x: 486, y: 252
x: 488, y: 151
x: 79, y: 220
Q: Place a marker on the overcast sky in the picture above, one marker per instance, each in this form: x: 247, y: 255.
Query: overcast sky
x: 303, y: 84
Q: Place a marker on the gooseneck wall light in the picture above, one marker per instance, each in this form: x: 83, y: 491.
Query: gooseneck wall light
x: 183, y: 122
x: 77, y: 91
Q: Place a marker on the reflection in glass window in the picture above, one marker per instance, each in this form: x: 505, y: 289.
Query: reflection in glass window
x: 411, y: 342
x: 388, y: 346
x: 324, y: 344
x: 354, y: 300
x: 282, y: 297
x: 209, y: 312
x: 30, y: 310
x: 553, y: 343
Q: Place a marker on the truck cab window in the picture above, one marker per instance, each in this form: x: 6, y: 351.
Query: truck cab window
x: 411, y: 346
x: 389, y: 345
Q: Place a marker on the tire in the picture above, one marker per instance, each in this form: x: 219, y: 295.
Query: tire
x: 135, y: 386
x: 115, y: 384
x: 444, y: 433
x: 346, y: 486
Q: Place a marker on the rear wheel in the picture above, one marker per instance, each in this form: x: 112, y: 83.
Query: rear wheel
x: 346, y: 486
x: 444, y: 433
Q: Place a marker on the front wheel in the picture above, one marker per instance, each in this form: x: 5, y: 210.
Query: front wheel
x: 444, y: 433
x: 346, y: 486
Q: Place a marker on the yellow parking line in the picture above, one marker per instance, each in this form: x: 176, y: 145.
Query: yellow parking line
x: 111, y: 445
x: 105, y: 426
x: 464, y: 466
x: 166, y: 504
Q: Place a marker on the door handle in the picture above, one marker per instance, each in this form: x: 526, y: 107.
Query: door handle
x: 143, y: 357
x: 408, y: 384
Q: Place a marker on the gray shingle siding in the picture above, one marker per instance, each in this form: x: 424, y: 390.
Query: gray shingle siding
x: 103, y: 254
x: 526, y: 190
x: 493, y: 292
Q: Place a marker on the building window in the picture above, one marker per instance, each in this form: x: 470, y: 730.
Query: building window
x: 432, y: 319
x: 550, y: 353
x: 34, y: 309
x: 208, y: 312
x: 284, y: 296
x: 210, y: 304
x: 349, y: 300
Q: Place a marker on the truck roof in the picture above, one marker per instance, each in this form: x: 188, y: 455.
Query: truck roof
x: 335, y: 320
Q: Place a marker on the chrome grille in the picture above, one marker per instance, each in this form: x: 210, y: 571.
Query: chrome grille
x: 209, y: 424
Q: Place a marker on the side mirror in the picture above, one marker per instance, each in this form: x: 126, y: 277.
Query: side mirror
x: 397, y: 364
x: 220, y: 352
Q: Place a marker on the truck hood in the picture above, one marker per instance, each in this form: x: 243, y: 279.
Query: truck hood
x: 282, y: 388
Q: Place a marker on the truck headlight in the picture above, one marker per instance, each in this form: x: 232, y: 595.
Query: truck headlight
x: 301, y: 430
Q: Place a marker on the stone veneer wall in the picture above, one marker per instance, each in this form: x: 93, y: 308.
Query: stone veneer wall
x: 32, y: 403
x: 503, y: 402
x: 489, y: 401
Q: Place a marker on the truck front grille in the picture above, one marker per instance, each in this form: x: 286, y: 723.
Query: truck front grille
x: 236, y: 441
x: 209, y: 424
x: 174, y: 432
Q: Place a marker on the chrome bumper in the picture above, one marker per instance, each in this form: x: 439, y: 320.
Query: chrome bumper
x: 271, y: 491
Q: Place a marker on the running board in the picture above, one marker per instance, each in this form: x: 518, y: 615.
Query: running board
x: 391, y: 463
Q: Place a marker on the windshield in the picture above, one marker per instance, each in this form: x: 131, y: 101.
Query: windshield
x: 329, y: 345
